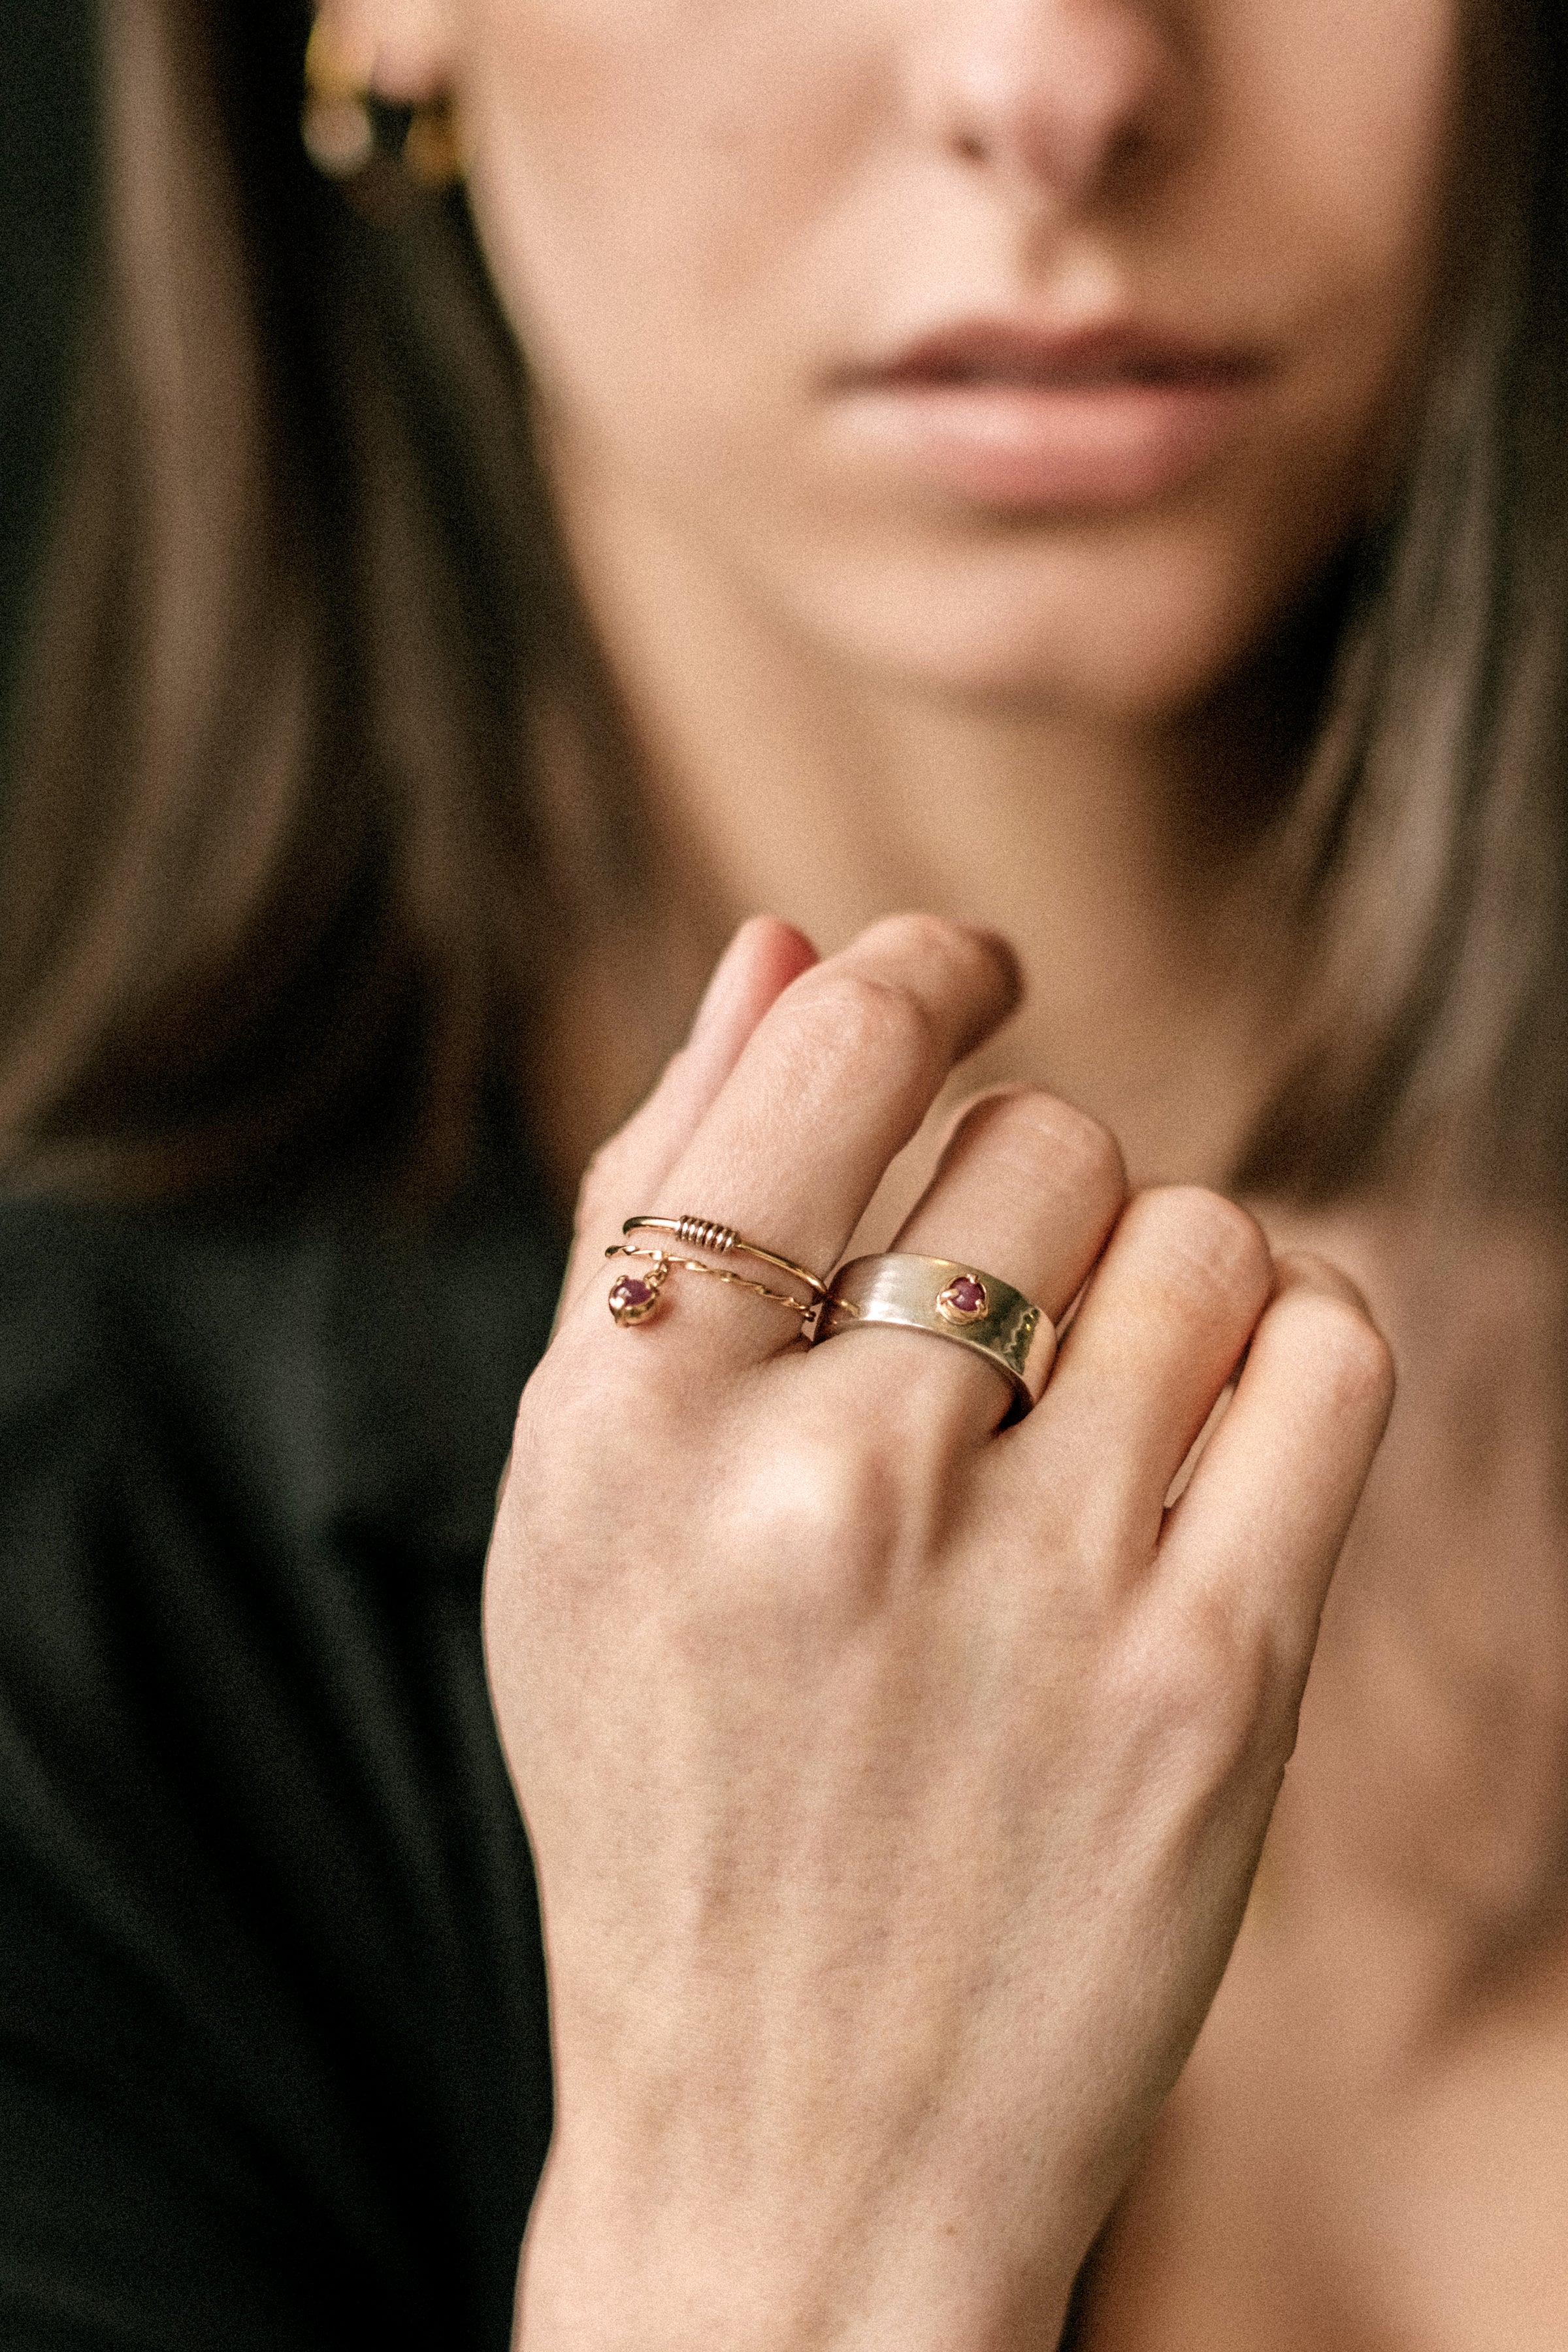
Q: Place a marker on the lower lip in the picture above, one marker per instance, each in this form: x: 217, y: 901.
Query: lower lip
x: 1042, y: 450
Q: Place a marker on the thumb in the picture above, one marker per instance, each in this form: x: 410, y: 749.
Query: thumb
x: 625, y: 1176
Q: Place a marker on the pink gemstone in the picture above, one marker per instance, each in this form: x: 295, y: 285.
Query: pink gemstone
x: 633, y: 1301
x: 964, y: 1299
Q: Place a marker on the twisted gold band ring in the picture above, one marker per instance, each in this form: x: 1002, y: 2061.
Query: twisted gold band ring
x: 634, y: 1298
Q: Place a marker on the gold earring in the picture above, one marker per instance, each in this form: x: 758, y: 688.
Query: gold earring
x: 351, y: 134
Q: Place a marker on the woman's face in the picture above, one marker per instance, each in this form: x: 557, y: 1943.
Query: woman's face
x: 1048, y: 345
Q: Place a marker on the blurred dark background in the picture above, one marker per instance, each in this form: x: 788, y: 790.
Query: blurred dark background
x: 47, y: 171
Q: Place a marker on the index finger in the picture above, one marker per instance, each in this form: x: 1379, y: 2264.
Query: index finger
x: 755, y: 968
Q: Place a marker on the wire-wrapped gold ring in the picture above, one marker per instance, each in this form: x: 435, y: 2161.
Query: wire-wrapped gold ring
x: 724, y: 1241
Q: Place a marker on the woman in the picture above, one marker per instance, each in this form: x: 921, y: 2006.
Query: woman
x: 1090, y: 471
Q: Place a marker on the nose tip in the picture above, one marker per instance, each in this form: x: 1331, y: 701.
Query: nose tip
x: 1062, y: 98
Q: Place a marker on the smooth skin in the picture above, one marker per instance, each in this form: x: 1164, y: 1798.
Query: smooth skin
x: 701, y: 212
x: 854, y: 691
x: 896, y: 1786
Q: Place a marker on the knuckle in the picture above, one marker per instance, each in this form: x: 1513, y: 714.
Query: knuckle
x: 1075, y: 1147
x: 812, y: 1493
x: 1213, y: 1244
x: 587, y: 1525
x: 917, y: 937
x: 1093, y: 1148
x: 1218, y: 1678
x: 857, y: 1019
x: 817, y: 1527
x: 1048, y: 1146
x: 1355, y: 1361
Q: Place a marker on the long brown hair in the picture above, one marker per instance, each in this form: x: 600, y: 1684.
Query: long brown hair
x: 313, y: 751
x: 279, y: 873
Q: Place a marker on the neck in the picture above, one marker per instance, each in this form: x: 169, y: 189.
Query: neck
x: 1431, y: 1780
x: 1125, y: 861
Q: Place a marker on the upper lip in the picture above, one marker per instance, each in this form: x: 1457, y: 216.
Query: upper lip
x: 1018, y: 353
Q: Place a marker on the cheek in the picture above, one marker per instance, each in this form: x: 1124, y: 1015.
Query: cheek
x: 1351, y: 100
x: 1335, y: 177
x: 643, y: 172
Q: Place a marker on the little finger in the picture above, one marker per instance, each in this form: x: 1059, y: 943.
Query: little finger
x: 1264, y: 1517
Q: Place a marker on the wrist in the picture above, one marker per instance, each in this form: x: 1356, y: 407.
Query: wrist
x: 634, y: 2267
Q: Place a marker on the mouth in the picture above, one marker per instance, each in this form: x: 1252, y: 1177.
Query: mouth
x: 994, y: 353
x: 1010, y: 416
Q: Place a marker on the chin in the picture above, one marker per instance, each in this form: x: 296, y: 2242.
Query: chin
x: 1139, y: 627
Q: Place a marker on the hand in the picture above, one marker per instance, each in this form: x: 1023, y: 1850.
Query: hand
x: 895, y: 1782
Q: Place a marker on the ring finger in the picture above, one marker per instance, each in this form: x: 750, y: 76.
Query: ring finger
x: 1026, y: 1191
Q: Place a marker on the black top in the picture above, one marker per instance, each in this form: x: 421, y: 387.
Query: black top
x: 274, y: 2066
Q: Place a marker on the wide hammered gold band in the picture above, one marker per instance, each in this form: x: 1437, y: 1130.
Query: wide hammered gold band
x: 951, y: 1302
